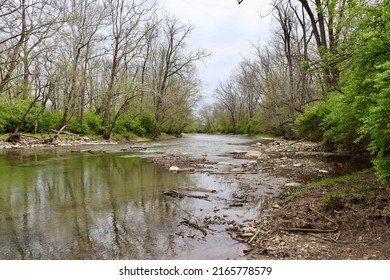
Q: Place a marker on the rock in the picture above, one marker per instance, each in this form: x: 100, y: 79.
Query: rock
x: 298, y: 165
x: 276, y: 206
x: 293, y: 184
x: 252, y: 162
x: 231, y: 227
x: 224, y: 163
x: 237, y: 152
x: 248, y: 229
x: 86, y: 139
x: 253, y: 154
x: 247, y: 234
x: 323, y: 171
x: 237, y: 170
x: 174, y: 169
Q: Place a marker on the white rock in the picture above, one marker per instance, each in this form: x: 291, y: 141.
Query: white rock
x: 276, y: 206
x: 323, y: 171
x: 224, y: 163
x: 249, y: 229
x: 293, y: 184
x: 174, y: 169
x: 298, y: 164
x: 253, y: 154
x: 237, y: 170
x: 231, y: 227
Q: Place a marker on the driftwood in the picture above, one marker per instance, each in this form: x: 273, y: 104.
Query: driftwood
x: 182, y: 195
x: 18, y: 138
x: 315, y: 230
x: 231, y: 172
x: 61, y: 131
x: 193, y: 225
x: 236, y: 205
x: 174, y: 194
x: 14, y: 138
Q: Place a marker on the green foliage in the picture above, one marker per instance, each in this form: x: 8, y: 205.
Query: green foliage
x: 49, y: 119
x: 377, y: 121
x: 310, y: 124
x: 91, y: 125
x: 12, y: 114
x: 147, y: 121
x: 128, y: 124
x: 359, y: 119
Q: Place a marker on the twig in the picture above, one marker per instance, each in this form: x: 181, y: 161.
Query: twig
x: 325, y: 217
x: 193, y: 225
x: 254, y: 236
x: 316, y: 230
x: 295, y: 142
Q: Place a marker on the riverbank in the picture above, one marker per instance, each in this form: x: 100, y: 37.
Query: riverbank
x: 26, y: 141
x: 289, y: 201
x: 318, y: 213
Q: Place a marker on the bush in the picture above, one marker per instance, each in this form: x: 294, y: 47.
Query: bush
x: 310, y: 123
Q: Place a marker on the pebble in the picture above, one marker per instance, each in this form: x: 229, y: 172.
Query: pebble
x: 231, y: 227
x: 174, y: 169
x: 248, y: 229
x: 224, y: 163
x: 237, y: 170
x: 293, y: 184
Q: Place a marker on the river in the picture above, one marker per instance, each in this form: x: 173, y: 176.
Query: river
x: 57, y: 204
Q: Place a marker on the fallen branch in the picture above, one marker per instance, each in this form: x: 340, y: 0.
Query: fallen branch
x: 61, y: 131
x: 174, y: 194
x: 193, y: 225
x: 182, y: 195
x: 231, y: 172
x: 316, y: 230
x: 254, y: 236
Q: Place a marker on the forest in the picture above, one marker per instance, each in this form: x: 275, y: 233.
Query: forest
x: 123, y: 67
x: 324, y: 76
x: 95, y: 67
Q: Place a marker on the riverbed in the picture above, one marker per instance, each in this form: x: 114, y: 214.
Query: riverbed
x: 57, y: 203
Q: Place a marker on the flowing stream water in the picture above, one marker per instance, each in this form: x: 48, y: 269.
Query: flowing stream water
x: 55, y: 204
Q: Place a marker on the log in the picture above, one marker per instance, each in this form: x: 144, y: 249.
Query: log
x: 65, y: 132
x: 182, y: 195
x: 14, y: 138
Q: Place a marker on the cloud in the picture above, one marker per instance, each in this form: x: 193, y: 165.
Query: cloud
x: 223, y: 28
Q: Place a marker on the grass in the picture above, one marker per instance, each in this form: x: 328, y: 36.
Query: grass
x: 356, y: 187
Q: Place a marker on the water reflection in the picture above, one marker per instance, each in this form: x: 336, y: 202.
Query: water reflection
x: 86, y: 207
x: 55, y: 204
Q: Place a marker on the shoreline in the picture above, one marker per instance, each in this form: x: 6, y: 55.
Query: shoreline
x: 306, y: 219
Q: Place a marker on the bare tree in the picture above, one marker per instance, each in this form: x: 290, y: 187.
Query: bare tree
x: 170, y: 60
x: 127, y: 38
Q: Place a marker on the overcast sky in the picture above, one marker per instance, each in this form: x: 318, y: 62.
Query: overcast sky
x: 224, y: 28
